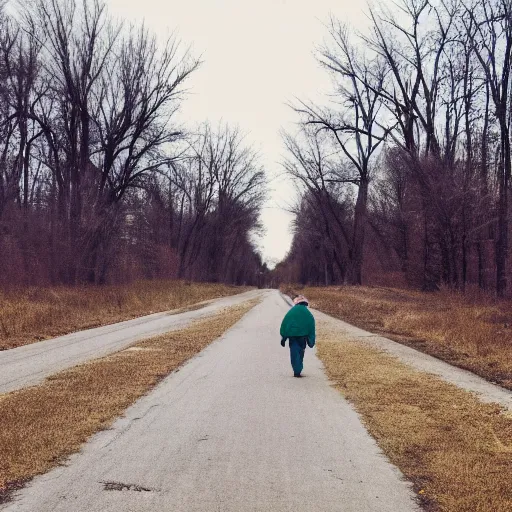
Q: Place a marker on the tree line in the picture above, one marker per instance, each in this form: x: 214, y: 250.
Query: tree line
x: 98, y: 180
x: 405, y: 170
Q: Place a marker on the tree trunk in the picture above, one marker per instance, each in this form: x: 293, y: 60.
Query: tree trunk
x: 481, y: 278
x: 359, y: 233
x: 502, y: 241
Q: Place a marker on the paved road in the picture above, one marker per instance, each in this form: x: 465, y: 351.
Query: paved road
x: 30, y: 364
x: 231, y: 431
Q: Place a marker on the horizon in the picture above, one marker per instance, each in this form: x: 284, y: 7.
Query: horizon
x: 233, y: 84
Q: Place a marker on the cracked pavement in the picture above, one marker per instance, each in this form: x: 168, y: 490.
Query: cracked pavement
x: 231, y: 431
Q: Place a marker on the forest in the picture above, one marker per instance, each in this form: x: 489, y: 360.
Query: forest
x: 404, y: 170
x: 100, y: 181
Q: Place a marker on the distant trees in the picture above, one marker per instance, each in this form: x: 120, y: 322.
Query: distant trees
x: 421, y: 116
x: 323, y: 234
x: 219, y: 186
x: 98, y: 182
x: 355, y: 129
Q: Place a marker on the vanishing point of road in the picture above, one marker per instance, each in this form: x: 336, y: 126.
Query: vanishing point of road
x: 232, y: 430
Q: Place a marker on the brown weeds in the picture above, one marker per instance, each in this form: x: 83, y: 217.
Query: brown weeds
x: 456, y: 450
x: 32, y: 314
x: 40, y: 426
x: 470, y: 332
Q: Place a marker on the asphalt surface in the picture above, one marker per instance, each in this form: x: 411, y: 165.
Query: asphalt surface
x: 232, y: 430
x: 31, y: 364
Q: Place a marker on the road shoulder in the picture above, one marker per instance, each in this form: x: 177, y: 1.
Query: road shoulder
x: 451, y: 445
x: 466, y: 380
x: 31, y: 364
x: 42, y: 425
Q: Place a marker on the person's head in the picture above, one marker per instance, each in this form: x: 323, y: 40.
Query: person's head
x: 300, y: 299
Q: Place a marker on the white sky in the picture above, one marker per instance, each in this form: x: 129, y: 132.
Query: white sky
x: 257, y: 56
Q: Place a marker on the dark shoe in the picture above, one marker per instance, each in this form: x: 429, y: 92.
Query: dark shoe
x: 297, y: 375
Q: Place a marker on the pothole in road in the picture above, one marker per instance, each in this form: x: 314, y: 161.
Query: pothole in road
x: 120, y: 486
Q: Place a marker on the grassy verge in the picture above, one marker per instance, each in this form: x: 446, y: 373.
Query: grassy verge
x: 40, y: 426
x: 33, y: 314
x: 474, y: 333
x: 456, y: 450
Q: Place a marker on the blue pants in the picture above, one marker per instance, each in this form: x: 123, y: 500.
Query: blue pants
x: 297, y: 349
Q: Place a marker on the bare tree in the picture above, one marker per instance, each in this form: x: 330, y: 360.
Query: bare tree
x: 116, y: 94
x: 316, y: 169
x: 222, y: 187
x: 489, y: 29
x: 437, y: 74
x: 357, y: 129
x: 98, y: 180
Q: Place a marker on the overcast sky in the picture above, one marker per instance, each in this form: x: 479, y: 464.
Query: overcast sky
x: 257, y: 56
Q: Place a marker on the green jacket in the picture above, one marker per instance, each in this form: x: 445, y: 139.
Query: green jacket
x: 299, y: 322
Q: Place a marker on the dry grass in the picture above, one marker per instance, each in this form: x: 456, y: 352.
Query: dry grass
x: 470, y: 332
x: 40, y: 426
x: 456, y: 450
x: 33, y: 314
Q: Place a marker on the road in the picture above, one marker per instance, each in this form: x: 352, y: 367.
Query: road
x: 231, y: 431
x: 30, y: 364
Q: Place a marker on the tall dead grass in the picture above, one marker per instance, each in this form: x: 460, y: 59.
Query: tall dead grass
x: 455, y: 449
x: 41, y: 425
x: 32, y: 314
x: 472, y: 332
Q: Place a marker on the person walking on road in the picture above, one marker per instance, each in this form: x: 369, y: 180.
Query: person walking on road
x: 298, y: 326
